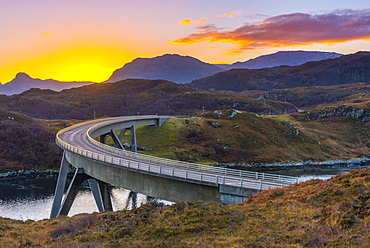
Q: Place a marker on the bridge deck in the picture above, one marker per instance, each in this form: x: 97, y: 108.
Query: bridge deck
x: 78, y: 139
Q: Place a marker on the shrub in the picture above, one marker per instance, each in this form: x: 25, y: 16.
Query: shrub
x: 73, y: 225
x: 29, y: 144
x: 194, y: 137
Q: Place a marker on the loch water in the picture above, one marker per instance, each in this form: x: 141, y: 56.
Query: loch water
x: 31, y: 198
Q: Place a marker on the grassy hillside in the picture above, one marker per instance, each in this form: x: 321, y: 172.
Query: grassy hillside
x: 243, y: 137
x: 331, y: 213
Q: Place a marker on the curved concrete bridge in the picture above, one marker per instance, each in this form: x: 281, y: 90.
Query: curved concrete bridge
x: 102, y: 165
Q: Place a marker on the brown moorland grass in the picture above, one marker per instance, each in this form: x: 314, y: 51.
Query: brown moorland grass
x: 316, y: 213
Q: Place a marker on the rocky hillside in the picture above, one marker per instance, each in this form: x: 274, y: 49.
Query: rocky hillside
x: 331, y: 213
x: 353, y: 68
x: 290, y: 58
x: 171, y: 67
x: 23, y: 82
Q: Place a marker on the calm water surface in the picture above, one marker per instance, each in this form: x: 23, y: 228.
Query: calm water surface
x: 32, y: 198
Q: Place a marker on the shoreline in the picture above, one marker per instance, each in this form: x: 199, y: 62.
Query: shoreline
x: 294, y: 165
x: 29, y: 173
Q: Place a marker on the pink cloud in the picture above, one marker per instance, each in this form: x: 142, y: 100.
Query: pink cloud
x: 295, y: 29
x: 231, y: 14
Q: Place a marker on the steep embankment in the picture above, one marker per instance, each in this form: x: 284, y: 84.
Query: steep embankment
x: 332, y: 213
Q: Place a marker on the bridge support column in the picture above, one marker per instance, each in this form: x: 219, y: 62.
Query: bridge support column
x: 133, y: 197
x: 117, y: 141
x: 122, y: 133
x: 72, y: 191
x: 103, y: 138
x: 101, y: 194
x: 105, y: 193
x: 99, y: 189
x: 59, y: 189
x: 133, y: 139
x: 133, y: 143
x: 94, y: 186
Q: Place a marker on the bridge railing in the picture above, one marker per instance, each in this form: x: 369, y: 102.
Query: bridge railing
x: 173, y: 171
x: 285, y: 180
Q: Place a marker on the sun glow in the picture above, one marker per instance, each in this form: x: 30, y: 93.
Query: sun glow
x: 80, y: 64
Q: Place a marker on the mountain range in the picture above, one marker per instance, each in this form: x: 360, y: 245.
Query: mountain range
x: 184, y: 69
x: 23, y: 82
x: 171, y: 67
x: 290, y: 58
x: 352, y: 68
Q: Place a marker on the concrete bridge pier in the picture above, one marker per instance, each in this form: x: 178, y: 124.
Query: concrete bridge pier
x: 62, y: 206
x: 133, y: 143
x: 117, y: 139
x: 133, y: 197
x: 101, y: 194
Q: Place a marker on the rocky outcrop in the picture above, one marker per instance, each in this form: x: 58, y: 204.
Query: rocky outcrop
x: 356, y: 113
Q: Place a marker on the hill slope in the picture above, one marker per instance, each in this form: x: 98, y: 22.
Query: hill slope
x: 353, y: 68
x: 130, y: 97
x: 25, y: 143
x: 23, y: 82
x: 331, y: 213
x: 171, y: 67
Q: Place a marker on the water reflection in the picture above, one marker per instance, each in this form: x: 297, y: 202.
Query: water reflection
x: 308, y: 173
x: 32, y: 198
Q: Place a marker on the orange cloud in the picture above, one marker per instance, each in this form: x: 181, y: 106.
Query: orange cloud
x: 231, y: 14
x: 191, y: 21
x: 297, y: 29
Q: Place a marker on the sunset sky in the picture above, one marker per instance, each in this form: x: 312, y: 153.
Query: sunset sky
x: 86, y: 40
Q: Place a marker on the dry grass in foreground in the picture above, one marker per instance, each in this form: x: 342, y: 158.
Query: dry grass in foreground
x: 331, y: 213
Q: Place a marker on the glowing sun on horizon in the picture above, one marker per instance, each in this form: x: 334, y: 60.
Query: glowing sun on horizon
x: 82, y: 64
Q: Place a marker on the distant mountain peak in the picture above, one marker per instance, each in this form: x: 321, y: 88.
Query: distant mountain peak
x: 23, y: 82
x: 289, y: 58
x: 171, y: 67
x: 22, y: 76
